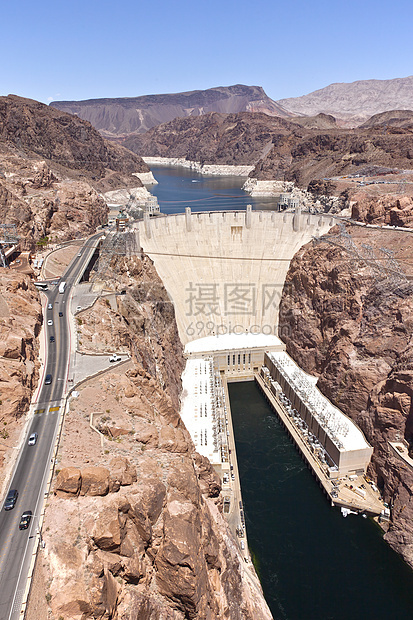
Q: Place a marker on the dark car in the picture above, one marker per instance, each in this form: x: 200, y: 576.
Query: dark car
x: 25, y: 520
x: 51, y: 338
x: 48, y: 379
x: 60, y: 313
x: 11, y: 499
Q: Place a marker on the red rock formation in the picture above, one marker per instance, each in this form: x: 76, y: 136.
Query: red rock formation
x: 71, y: 481
x: 53, y: 167
x: 68, y: 482
x: 392, y: 210
x: 351, y: 323
x: 20, y: 323
x: 59, y: 137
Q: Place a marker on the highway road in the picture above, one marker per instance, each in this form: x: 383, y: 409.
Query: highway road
x: 35, y: 463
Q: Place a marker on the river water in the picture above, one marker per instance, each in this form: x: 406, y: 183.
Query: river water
x: 313, y: 563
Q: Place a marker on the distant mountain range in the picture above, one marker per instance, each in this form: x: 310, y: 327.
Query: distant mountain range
x: 350, y: 103
x: 133, y: 115
x: 355, y: 102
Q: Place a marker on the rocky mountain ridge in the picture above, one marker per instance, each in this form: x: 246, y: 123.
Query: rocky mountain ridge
x: 354, y: 102
x: 53, y: 168
x: 301, y: 150
x: 133, y: 115
x: 214, y: 138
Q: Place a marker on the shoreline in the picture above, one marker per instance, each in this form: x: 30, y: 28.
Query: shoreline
x: 207, y: 169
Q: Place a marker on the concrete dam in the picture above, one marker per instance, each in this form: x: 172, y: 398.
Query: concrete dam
x: 225, y: 271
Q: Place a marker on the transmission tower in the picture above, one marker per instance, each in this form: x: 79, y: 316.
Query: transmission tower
x: 344, y: 241
x: 116, y: 243
x: 393, y: 268
x: 384, y: 268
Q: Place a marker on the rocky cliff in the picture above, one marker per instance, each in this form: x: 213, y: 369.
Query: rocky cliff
x: 313, y: 155
x: 356, y: 101
x: 346, y: 317
x: 141, y: 511
x: 20, y: 323
x: 63, y: 139
x: 390, y: 209
x: 53, y: 167
x: 133, y: 115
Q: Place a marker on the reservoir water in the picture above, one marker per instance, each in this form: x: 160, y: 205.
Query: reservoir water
x: 313, y: 563
x: 180, y: 187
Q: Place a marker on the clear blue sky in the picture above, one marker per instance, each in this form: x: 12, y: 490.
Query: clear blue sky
x: 89, y: 49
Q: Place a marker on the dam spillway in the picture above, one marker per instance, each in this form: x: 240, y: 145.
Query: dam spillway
x: 225, y: 271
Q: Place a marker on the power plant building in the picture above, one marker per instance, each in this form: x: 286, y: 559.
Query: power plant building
x: 346, y: 448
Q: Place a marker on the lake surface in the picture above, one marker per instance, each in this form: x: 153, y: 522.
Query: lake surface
x: 312, y: 562
x: 180, y: 187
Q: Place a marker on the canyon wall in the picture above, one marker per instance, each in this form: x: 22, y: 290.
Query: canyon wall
x: 20, y: 323
x: 346, y: 316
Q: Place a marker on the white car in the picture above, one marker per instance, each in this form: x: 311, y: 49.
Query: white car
x: 32, y: 439
x: 50, y: 306
x: 115, y: 358
x: 50, y: 322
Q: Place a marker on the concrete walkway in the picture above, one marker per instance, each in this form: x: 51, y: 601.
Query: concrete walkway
x: 235, y: 517
x: 83, y: 365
